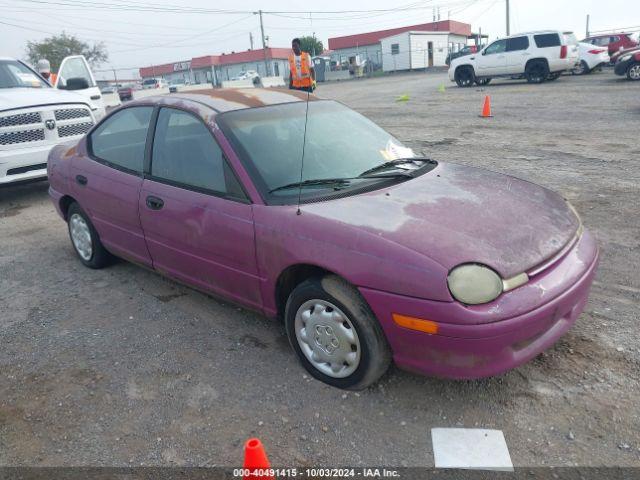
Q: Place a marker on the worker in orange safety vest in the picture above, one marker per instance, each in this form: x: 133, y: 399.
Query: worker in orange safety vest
x: 301, y: 73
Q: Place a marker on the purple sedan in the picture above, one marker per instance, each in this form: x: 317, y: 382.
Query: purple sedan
x: 368, y: 252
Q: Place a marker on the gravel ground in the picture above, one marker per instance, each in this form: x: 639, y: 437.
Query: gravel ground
x: 121, y: 367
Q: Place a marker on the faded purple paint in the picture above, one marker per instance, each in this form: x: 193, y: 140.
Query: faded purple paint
x: 396, y: 245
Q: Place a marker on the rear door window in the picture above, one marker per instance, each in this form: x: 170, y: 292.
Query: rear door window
x: 120, y: 140
x: 546, y: 40
x: 517, y: 43
x: 186, y: 154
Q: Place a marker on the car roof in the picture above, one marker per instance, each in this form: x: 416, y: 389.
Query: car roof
x: 226, y: 99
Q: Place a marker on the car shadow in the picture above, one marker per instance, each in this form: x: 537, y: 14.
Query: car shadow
x: 22, y: 193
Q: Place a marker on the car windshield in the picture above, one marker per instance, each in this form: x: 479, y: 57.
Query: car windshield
x: 340, y: 144
x: 149, y: 82
x: 14, y: 74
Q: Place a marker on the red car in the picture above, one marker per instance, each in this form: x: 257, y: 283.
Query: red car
x: 614, y: 41
x: 125, y: 93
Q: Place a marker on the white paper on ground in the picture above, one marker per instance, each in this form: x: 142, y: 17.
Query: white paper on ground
x: 470, y: 448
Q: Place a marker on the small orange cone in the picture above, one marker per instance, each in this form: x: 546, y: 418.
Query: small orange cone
x: 486, y: 109
x: 256, y: 464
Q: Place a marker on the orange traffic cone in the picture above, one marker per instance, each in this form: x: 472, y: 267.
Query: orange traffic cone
x: 486, y: 109
x: 256, y: 464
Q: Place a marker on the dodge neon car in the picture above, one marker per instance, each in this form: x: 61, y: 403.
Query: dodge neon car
x: 368, y: 252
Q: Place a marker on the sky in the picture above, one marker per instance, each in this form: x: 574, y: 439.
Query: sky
x: 146, y: 32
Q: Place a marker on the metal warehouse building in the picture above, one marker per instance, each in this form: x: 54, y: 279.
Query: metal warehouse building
x: 403, y: 48
x: 215, y: 69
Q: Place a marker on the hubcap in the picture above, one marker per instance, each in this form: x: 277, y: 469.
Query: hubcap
x: 327, y: 338
x: 81, y: 236
x: 634, y: 72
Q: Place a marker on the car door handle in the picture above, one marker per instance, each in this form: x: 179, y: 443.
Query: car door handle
x: 81, y: 180
x: 154, y: 203
x: 95, y: 97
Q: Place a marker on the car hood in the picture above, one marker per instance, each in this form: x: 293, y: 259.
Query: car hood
x: 11, y: 98
x: 457, y: 214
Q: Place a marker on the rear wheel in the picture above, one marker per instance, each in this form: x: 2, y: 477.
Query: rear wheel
x: 633, y: 72
x: 536, y: 72
x: 483, y: 81
x: 465, y: 77
x: 85, y: 240
x: 335, y: 334
x: 581, y: 69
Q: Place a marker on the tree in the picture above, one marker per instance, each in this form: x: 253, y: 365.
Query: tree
x: 311, y: 45
x: 56, y: 47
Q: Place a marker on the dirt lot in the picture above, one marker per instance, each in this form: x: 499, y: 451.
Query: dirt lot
x: 122, y: 367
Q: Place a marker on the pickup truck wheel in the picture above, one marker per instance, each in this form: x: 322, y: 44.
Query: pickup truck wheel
x: 465, y: 77
x: 536, y: 72
x: 85, y: 239
x: 335, y: 334
x: 483, y: 81
x: 633, y: 72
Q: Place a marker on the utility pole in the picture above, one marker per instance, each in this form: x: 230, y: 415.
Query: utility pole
x: 251, y: 40
x: 264, y: 45
x: 508, y: 28
x: 587, y: 24
x: 115, y: 77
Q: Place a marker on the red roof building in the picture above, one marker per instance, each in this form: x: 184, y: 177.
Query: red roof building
x: 372, y: 38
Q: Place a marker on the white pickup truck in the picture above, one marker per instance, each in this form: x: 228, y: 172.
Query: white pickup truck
x: 35, y: 116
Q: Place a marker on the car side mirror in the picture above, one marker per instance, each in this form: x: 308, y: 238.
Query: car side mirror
x: 77, y: 83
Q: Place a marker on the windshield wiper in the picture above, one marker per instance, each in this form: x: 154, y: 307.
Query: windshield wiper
x: 338, y: 182
x: 394, y: 163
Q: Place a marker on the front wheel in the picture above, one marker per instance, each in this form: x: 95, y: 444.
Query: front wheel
x: 483, y: 81
x: 85, y: 240
x: 537, y: 72
x: 633, y: 72
x: 465, y: 77
x: 335, y: 334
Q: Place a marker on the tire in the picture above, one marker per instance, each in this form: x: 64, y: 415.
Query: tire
x: 536, y: 72
x: 351, y: 335
x: 633, y: 71
x: 465, y: 77
x: 483, y: 81
x: 582, y: 69
x: 553, y: 77
x: 85, y: 239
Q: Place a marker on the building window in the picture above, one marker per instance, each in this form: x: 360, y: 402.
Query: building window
x: 276, y: 69
x: 395, y: 48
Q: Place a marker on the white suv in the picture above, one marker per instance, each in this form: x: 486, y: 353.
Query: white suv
x: 536, y: 56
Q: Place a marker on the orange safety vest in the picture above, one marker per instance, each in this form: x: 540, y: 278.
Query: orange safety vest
x: 304, y: 80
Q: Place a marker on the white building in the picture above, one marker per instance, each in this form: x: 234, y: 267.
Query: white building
x: 368, y: 46
x: 418, y: 49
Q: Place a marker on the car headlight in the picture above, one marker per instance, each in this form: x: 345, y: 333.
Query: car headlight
x: 473, y: 284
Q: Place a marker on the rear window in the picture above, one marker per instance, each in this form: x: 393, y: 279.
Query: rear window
x: 545, y: 40
x: 150, y: 81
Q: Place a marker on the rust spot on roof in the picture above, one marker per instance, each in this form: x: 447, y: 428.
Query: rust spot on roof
x: 254, y: 97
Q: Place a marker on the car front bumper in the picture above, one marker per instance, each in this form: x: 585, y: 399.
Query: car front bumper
x: 21, y: 164
x: 485, y: 340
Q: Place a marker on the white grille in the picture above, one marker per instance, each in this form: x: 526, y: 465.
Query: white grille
x: 34, y: 124
x: 23, y: 136
x: 74, y: 129
x: 69, y: 113
x: 20, y: 119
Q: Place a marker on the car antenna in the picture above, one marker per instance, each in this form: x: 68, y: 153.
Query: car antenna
x: 304, y: 143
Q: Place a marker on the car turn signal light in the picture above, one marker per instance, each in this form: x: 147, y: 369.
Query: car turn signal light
x: 413, y: 323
